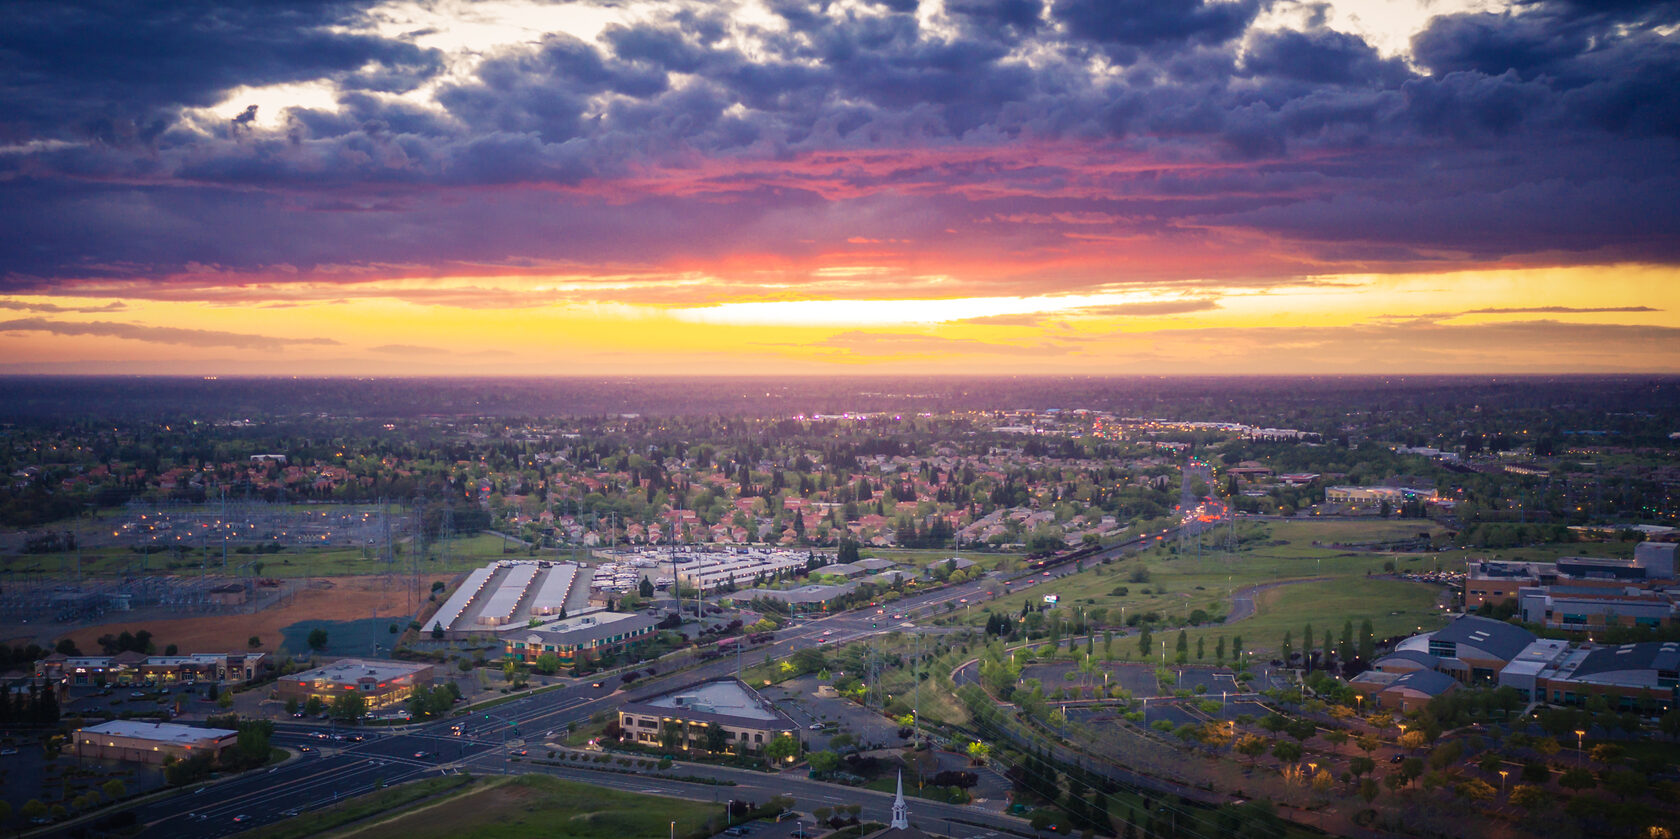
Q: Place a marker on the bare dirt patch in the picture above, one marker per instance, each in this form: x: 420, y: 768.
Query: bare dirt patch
x: 323, y: 598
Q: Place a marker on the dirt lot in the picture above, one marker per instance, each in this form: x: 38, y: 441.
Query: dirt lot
x: 326, y: 598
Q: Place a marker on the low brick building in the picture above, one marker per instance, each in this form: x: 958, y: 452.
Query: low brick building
x: 150, y: 742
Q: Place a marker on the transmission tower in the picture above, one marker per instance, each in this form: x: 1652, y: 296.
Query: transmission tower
x: 873, y: 695
x: 445, y: 533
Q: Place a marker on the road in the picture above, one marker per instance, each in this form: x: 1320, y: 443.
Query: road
x: 332, y: 770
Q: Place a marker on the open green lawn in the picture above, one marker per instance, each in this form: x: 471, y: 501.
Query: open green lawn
x: 540, y: 806
x: 1172, y: 587
x: 1395, y: 607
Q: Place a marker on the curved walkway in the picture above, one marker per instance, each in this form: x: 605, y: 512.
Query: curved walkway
x: 1242, y: 600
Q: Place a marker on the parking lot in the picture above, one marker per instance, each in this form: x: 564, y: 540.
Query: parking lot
x: 799, y: 700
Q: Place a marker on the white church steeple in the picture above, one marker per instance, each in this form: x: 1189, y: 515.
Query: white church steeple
x: 901, y: 812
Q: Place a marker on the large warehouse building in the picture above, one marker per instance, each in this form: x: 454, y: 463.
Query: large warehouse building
x: 510, y: 593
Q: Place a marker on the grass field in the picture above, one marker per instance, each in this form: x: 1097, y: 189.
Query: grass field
x: 316, y: 822
x: 1173, y: 586
x: 1395, y: 607
x: 540, y: 806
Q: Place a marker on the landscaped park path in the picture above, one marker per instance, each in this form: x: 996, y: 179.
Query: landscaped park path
x: 1242, y: 602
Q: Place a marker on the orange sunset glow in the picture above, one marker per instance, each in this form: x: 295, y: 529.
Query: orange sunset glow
x: 765, y: 188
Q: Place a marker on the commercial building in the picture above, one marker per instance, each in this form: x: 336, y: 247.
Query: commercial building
x: 811, y: 598
x: 1585, y: 609
x: 1472, y: 648
x: 133, y: 668
x: 1583, y: 593
x: 582, y: 638
x: 1631, y: 677
x: 150, y: 742
x: 1375, y: 496
x: 1641, y: 677
x: 1491, y: 581
x: 1403, y: 692
x: 380, y: 683
x: 685, y: 718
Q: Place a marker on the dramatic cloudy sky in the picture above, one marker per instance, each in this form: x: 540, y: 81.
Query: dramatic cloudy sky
x: 802, y: 187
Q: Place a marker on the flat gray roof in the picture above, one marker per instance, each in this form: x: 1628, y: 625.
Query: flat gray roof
x: 728, y: 698
x: 723, y: 700
x: 351, y: 669
x: 162, y: 732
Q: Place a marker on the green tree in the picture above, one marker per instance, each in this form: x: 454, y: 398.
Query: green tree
x: 349, y: 706
x: 978, y: 752
x: 292, y: 705
x: 1411, y: 768
x: 1181, y: 647
x: 252, y: 744
x: 1368, y: 789
x: 823, y: 762
x: 254, y: 641
x: 547, y: 664
x: 1577, y: 778
x: 1625, y: 783
x: 313, y: 706
x: 1251, y: 746
x: 1529, y: 797
x: 113, y: 789
x: 317, y: 639
x: 1477, y: 789
x: 437, y: 630
x: 32, y: 809
x: 645, y: 589
x: 1286, y: 751
x: 717, y: 739
x: 1144, y: 642
x: 781, y: 749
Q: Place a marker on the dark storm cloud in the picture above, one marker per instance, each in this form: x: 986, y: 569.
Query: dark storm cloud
x: 998, y: 18
x: 1319, y: 57
x: 159, y: 334
x: 1550, y: 131
x: 117, y: 70
x: 1149, y: 24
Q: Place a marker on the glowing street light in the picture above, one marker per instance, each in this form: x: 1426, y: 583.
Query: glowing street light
x: 1578, y: 735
